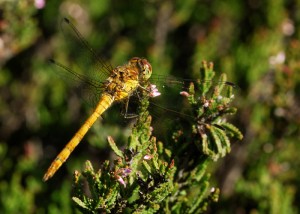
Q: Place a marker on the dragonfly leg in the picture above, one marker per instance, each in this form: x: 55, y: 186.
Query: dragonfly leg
x: 125, y: 111
x: 144, y: 88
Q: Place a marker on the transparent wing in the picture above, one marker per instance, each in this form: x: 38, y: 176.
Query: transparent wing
x: 180, y: 84
x: 87, y: 60
x: 173, y: 101
x: 87, y: 71
x: 89, y: 89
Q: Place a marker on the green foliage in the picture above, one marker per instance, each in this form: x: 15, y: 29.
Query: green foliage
x: 20, y: 29
x: 211, y: 129
x: 148, y: 176
x: 138, y: 179
x: 10, y: 193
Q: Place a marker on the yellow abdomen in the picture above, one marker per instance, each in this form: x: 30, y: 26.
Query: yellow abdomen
x: 105, y: 102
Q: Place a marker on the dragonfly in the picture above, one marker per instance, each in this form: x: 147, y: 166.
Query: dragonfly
x: 108, y: 85
x: 121, y: 83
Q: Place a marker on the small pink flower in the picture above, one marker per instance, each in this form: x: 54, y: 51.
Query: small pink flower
x: 148, y: 157
x: 213, y: 189
x: 277, y: 59
x: 122, y: 173
x: 39, y: 4
x: 126, y: 172
x: 152, y: 86
x: 206, y: 104
x: 121, y: 181
x: 154, y: 91
x: 184, y: 93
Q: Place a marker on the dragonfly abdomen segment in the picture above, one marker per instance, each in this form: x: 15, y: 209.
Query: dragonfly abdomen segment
x: 105, y: 102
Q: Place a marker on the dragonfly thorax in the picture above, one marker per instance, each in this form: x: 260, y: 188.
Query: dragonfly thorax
x: 125, y: 79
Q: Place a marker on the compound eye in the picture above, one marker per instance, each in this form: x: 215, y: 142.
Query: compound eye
x: 146, y: 69
x: 146, y: 64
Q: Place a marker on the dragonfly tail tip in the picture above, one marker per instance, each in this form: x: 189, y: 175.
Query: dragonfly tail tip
x: 46, y: 177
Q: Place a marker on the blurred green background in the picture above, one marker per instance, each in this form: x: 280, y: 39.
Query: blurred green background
x: 256, y: 43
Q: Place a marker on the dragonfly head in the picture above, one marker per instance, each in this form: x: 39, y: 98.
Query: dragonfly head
x: 144, y: 67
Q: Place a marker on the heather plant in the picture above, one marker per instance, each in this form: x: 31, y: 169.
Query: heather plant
x: 149, y: 175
